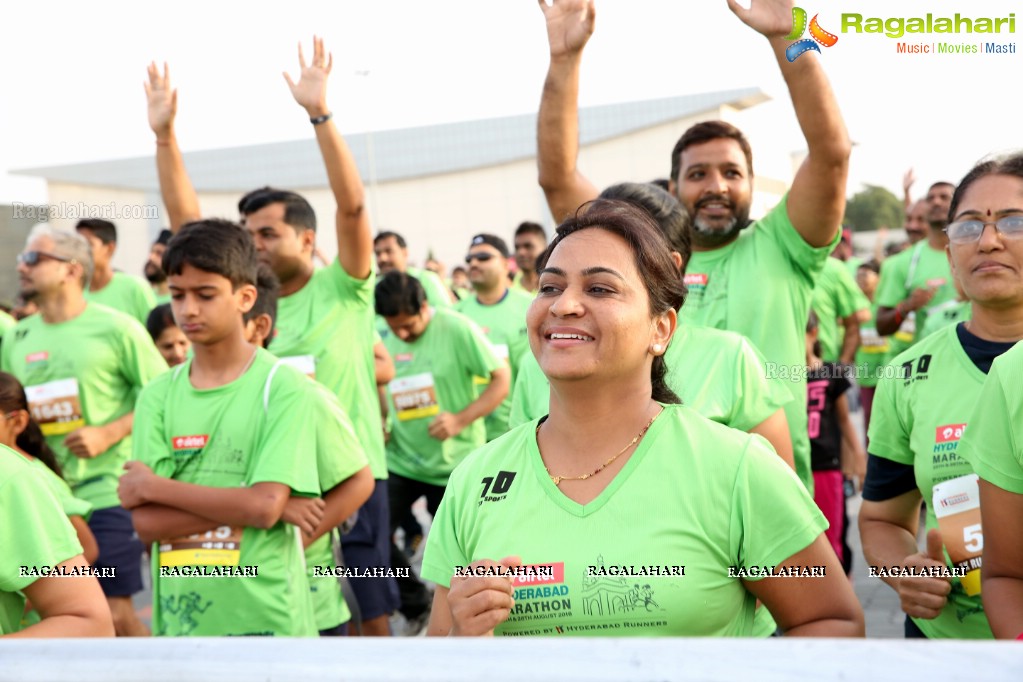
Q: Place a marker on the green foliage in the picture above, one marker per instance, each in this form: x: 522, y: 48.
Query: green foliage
x: 873, y: 207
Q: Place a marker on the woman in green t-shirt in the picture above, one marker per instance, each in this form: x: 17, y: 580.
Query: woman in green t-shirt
x: 21, y: 433
x: 679, y: 532
x: 923, y: 409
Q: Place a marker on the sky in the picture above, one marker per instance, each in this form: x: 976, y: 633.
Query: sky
x: 72, y: 74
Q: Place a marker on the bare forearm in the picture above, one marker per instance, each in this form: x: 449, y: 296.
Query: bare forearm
x: 850, y: 341
x: 120, y: 428
x: 176, y: 188
x: 344, y: 499
x: 830, y: 627
x: 886, y: 544
x: 154, y: 522
x: 888, y: 320
x: 487, y: 401
x: 1003, y: 605
x: 815, y: 105
x: 557, y: 139
x: 246, y: 507
x: 354, y: 233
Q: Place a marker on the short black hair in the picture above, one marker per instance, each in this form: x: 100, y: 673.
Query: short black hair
x: 529, y: 227
x: 268, y: 290
x: 871, y: 265
x: 399, y: 294
x: 103, y: 229
x: 385, y: 235
x: 213, y: 245
x: 161, y: 317
x: 297, y: 211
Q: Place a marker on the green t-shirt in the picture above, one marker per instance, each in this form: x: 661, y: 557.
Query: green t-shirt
x: 760, y: 286
x: 6, y: 322
x: 716, y: 372
x: 86, y: 371
x: 835, y: 297
x: 252, y: 430
x: 916, y: 267
x: 994, y: 442
x: 917, y: 420
x: 504, y: 323
x: 949, y: 313
x: 852, y: 264
x: 436, y: 293
x: 743, y: 507
x: 128, y: 294
x: 873, y: 352
x: 434, y: 374
x: 338, y: 457
x: 71, y: 505
x: 161, y: 298
x: 34, y: 531
x: 327, y: 327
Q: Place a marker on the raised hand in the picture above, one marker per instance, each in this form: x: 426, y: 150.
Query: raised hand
x: 770, y: 18
x: 569, y: 24
x: 311, y: 90
x: 163, y: 101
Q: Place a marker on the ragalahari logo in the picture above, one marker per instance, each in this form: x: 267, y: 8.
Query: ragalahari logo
x: 818, y: 35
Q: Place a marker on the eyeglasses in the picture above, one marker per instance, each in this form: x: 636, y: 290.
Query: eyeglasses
x: 32, y: 258
x: 481, y: 257
x: 969, y: 231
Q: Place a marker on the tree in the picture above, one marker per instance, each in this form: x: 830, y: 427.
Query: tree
x: 873, y: 207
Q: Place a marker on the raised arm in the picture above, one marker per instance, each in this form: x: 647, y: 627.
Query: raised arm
x: 816, y: 200
x: 354, y: 235
x: 569, y: 26
x: 175, y: 188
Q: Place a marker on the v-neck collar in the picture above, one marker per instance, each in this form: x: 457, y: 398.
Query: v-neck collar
x: 582, y: 510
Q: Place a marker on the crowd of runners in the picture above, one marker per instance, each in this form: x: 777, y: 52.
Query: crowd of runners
x: 641, y: 424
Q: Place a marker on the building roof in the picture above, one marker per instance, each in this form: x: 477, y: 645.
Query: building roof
x: 396, y: 154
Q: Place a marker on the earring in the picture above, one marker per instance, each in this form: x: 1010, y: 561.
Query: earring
x: 656, y: 348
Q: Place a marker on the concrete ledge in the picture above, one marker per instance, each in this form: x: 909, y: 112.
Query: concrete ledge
x: 518, y: 660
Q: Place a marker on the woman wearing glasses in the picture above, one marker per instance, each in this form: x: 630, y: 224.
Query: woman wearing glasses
x: 922, y: 410
x: 623, y: 512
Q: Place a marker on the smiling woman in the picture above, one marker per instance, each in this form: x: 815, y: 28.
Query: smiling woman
x: 620, y: 475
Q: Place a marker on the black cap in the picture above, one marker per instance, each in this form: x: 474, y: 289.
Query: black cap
x: 492, y: 240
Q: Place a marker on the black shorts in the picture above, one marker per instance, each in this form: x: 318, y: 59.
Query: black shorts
x: 368, y: 545
x: 119, y: 549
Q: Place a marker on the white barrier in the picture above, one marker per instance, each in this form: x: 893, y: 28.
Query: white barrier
x: 518, y: 660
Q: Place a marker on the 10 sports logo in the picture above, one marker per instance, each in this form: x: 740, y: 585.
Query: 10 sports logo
x: 804, y: 45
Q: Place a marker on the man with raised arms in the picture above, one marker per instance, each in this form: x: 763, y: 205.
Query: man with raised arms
x: 758, y: 282
x: 325, y: 317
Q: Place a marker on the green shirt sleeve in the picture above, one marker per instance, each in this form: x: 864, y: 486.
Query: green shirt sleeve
x: 286, y: 451
x: 890, y: 426
x: 757, y: 397
x: 38, y: 535
x: 850, y: 298
x: 480, y: 357
x: 891, y: 288
x: 149, y: 442
x: 359, y: 290
x: 806, y: 260
x: 991, y: 443
x: 338, y: 452
x: 773, y: 516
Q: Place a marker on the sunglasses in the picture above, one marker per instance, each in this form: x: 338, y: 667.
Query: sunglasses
x: 481, y: 257
x: 969, y: 231
x: 32, y: 258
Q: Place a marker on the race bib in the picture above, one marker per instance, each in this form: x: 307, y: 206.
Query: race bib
x: 907, y: 330
x: 957, y: 506
x: 414, y: 397
x: 55, y: 406
x: 871, y: 341
x: 306, y: 364
x: 219, y: 547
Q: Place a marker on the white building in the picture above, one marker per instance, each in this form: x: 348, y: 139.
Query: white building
x: 437, y: 185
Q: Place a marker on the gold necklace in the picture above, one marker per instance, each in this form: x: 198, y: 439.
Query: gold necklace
x: 558, y: 479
